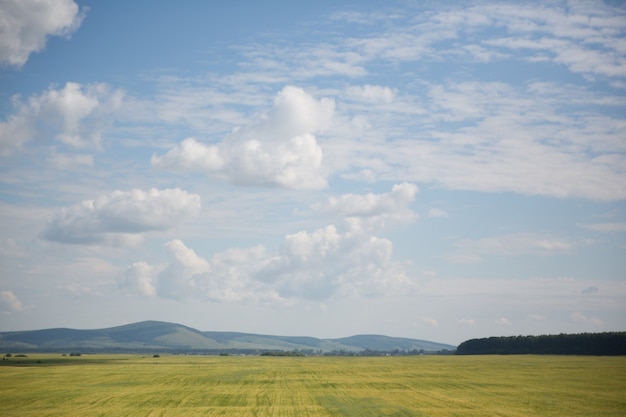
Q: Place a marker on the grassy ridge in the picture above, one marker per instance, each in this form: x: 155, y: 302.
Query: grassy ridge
x: 314, y: 386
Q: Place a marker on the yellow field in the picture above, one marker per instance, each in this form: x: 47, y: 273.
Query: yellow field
x: 98, y: 385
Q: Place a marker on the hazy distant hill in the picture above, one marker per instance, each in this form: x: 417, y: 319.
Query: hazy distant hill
x: 386, y: 343
x: 161, y: 336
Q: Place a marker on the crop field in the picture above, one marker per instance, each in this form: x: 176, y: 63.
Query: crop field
x: 124, y: 385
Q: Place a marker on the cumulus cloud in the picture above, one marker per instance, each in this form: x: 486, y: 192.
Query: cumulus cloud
x: 314, y: 265
x: 277, y: 148
x: 374, y: 211
x: 9, y: 302
x: 177, y: 279
x: 75, y: 115
x: 25, y: 26
x: 325, y: 262
x: 121, y: 217
x: 308, y: 265
x: 139, y: 279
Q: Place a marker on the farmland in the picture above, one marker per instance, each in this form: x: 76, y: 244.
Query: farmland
x: 123, y: 385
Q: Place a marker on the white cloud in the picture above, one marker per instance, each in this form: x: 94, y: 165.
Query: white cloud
x: 191, y: 155
x: 533, y: 139
x: 75, y: 115
x: 9, y: 302
x: 25, y: 26
x: 606, y: 227
x: 121, y: 217
x: 521, y: 141
x: 508, y: 139
x: 318, y: 265
x: 371, y: 94
x: 139, y: 278
x: 177, y: 279
x: 364, y: 18
x: 581, y: 318
x: 588, y: 41
x: 10, y: 248
x: 467, y: 322
x: 437, y: 213
x: 503, y: 321
x: 70, y: 161
x: 277, y: 148
x: 374, y: 211
x: 326, y: 262
x: 472, y: 250
x: 429, y: 321
x: 585, y: 40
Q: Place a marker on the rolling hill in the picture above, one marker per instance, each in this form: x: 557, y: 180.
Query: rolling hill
x: 152, y: 336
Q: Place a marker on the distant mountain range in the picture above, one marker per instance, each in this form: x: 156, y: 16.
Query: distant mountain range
x: 153, y: 336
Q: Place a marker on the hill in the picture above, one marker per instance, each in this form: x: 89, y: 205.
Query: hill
x: 152, y: 336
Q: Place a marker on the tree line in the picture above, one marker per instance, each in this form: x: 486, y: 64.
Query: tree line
x: 608, y: 343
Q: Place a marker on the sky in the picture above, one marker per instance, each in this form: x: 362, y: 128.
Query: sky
x: 433, y: 170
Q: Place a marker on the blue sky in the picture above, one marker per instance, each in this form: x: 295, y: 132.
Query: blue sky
x: 418, y: 169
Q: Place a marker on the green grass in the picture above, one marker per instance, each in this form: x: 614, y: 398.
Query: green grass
x: 118, y: 385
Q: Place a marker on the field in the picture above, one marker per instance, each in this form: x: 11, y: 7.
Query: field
x: 118, y: 385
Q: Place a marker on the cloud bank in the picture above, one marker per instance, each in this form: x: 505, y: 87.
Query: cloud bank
x: 325, y: 263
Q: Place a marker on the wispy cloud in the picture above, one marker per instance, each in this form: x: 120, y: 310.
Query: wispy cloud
x: 581, y: 318
x: 429, y: 321
x: 473, y: 250
x: 467, y: 322
x: 437, y: 213
x: 606, y: 227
